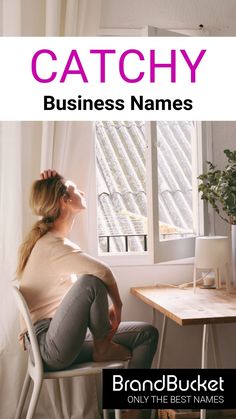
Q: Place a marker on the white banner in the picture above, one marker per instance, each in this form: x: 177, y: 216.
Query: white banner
x: 114, y: 78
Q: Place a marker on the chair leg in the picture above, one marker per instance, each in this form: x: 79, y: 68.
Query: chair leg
x: 105, y: 414
x: 34, y: 399
x: 117, y: 414
x: 23, y: 395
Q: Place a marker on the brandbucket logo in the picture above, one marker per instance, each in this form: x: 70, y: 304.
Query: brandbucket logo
x: 183, y: 388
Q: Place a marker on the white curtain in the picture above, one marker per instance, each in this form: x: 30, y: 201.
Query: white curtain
x: 25, y: 149
x: 68, y: 148
x: 12, y: 361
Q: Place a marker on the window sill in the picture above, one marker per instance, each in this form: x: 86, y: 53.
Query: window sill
x: 139, y: 259
x: 124, y: 259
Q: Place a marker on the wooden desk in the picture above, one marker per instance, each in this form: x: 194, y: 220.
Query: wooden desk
x: 186, y: 307
x: 206, y: 307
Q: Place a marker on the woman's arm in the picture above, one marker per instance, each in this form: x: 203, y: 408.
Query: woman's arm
x: 67, y: 258
x: 115, y: 309
x: 114, y: 295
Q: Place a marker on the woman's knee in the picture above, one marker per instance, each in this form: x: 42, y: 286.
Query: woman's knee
x: 92, y: 282
x: 136, y: 333
x: 151, y: 334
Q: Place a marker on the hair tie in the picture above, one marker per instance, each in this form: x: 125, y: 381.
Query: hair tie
x: 48, y: 220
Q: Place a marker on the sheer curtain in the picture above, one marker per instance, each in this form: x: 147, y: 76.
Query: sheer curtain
x: 68, y: 148
x: 25, y: 149
x: 12, y: 361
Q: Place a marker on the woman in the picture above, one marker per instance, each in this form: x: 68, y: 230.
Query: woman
x: 72, y: 320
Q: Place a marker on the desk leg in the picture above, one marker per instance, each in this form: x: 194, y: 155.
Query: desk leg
x: 161, y: 346
x: 215, y: 347
x: 205, y: 338
x: 162, y: 341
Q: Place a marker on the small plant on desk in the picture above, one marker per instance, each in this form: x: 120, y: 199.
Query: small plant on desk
x: 218, y: 187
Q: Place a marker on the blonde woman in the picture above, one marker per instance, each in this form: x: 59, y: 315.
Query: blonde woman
x: 72, y: 320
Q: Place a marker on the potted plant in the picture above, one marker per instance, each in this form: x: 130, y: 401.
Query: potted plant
x: 218, y: 188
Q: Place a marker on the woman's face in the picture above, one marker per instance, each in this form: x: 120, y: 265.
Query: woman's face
x: 76, y: 201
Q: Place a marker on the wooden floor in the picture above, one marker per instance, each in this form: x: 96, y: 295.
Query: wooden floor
x: 193, y: 414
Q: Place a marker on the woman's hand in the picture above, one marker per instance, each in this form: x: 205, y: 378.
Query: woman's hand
x: 115, y: 318
x: 115, y: 308
x: 47, y: 174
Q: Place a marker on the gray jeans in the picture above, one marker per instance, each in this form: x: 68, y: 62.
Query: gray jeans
x: 67, y: 338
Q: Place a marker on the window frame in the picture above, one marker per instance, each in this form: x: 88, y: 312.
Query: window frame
x: 184, y: 248
x: 149, y: 30
x: 153, y: 254
x: 203, y: 135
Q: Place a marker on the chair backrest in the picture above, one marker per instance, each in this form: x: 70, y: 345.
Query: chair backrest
x: 37, y: 363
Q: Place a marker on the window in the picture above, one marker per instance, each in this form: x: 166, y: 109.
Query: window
x: 148, y: 208
x: 121, y: 186
x: 175, y: 183
x: 147, y: 201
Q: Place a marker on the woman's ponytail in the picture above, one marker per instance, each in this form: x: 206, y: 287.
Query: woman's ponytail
x: 45, y: 202
x: 38, y: 230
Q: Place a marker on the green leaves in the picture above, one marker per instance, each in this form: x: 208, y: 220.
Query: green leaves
x: 218, y: 188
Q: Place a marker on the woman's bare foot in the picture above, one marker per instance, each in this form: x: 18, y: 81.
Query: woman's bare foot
x: 110, y: 351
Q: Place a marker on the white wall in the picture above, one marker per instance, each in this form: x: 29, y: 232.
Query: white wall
x: 217, y: 16
x: 134, y: 309
x: 183, y: 344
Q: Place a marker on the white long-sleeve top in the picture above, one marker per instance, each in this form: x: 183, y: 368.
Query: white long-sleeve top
x: 47, y: 276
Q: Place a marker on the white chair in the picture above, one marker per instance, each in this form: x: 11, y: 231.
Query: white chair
x: 37, y: 374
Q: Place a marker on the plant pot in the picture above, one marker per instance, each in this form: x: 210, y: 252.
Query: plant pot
x: 233, y: 243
